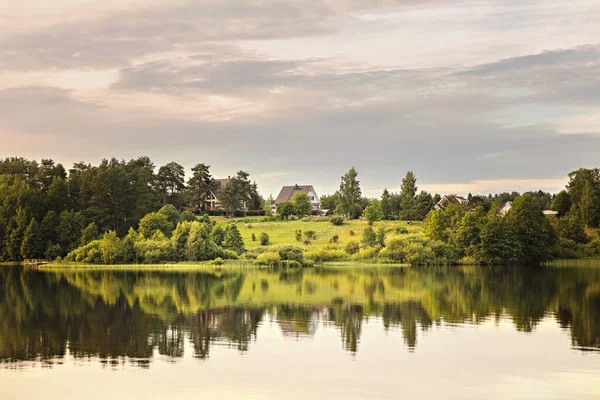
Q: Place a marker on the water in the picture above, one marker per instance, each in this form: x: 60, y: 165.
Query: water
x: 333, y: 333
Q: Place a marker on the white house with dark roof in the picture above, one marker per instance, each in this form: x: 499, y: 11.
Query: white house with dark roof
x: 505, y: 208
x: 287, y: 193
x: 212, y: 200
x: 451, y: 199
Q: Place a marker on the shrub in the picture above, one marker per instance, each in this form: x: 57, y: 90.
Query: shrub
x: 180, y: 237
x: 307, y: 242
x: 402, y: 230
x: 352, y: 233
x: 154, y: 251
x: 337, y: 220
x: 369, y: 253
x: 310, y: 235
x: 200, y: 246
x: 269, y: 258
x: 369, y: 238
x: 187, y: 216
x: 291, y: 264
x: 253, y: 237
x: 264, y: 239
x: 298, y: 235
x: 217, y: 261
x: 229, y: 254
x: 334, y: 239
x: 249, y: 226
x: 469, y: 260
x: 381, y: 236
x: 155, y: 222
x: 291, y: 253
x: 352, y: 247
x: 324, y: 255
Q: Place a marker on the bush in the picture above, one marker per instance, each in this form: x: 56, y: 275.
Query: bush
x: 370, y: 253
x: 154, y: 251
x: 334, y: 239
x: 218, y: 235
x: 229, y: 254
x: 291, y: 264
x: 310, y: 235
x: 253, y: 237
x: 352, y: 247
x: 307, y: 242
x: 402, y: 230
x: 469, y: 260
x: 270, y: 258
x: 187, y: 216
x: 155, y: 222
x: 352, y: 233
x: 217, y: 261
x: 264, y: 239
x: 337, y: 220
x: 233, y: 239
x: 200, y: 246
x: 369, y: 238
x: 291, y: 253
x: 298, y: 235
x: 324, y: 255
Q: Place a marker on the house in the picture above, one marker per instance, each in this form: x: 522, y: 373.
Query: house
x: 550, y: 212
x: 287, y: 193
x: 505, y: 208
x: 451, y: 199
x: 212, y: 200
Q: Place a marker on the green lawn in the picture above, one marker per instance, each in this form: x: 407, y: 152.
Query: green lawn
x: 284, y: 232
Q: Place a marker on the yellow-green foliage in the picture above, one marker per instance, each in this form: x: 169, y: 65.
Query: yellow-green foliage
x: 269, y: 258
x: 323, y: 254
x: 369, y: 253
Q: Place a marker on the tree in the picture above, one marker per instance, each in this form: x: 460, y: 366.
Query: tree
x: 89, y: 233
x: 187, y: 216
x: 369, y: 237
x: 349, y: 193
x: 237, y: 193
x: 408, y: 192
x: 200, y: 246
x: 200, y: 185
x: 171, y: 213
x: 170, y: 180
x: 58, y: 195
x: 562, y: 203
x: 155, y: 222
x: 285, y: 209
x: 422, y: 205
x: 264, y: 239
x: 302, y: 205
x: 584, y: 188
x: 233, y: 239
x: 69, y: 230
x: 373, y: 212
x: 33, y: 243
x: 571, y: 227
x: 330, y: 202
x: 48, y: 228
x: 386, y: 205
x: 15, y: 238
x: 218, y: 235
x: 534, y: 234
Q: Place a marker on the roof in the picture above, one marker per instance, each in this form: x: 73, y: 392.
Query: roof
x: 450, y: 199
x: 287, y: 193
x: 220, y: 183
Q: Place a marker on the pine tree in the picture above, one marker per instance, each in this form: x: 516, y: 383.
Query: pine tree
x: 19, y: 225
x: 233, y: 239
x: 33, y: 243
x: 89, y: 233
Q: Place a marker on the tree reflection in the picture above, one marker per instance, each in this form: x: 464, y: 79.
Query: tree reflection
x: 121, y: 316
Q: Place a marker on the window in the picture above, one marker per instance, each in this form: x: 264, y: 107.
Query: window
x: 312, y: 198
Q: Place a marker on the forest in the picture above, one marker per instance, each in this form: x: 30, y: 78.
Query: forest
x: 133, y: 212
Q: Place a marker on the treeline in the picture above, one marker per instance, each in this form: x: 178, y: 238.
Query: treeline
x: 409, y: 204
x: 524, y: 234
x: 113, y: 196
x: 163, y: 236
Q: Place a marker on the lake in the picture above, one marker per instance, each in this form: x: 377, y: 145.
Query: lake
x: 323, y: 333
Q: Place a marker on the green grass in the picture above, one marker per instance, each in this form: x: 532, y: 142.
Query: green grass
x: 284, y: 232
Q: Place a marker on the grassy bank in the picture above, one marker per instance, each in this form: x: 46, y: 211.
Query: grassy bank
x: 284, y: 232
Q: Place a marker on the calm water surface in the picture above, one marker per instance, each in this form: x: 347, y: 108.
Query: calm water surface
x: 332, y: 333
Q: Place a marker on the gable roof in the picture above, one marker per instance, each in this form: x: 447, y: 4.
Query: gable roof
x: 450, y: 199
x: 287, y: 193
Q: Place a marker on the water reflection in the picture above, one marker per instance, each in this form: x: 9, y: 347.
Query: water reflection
x: 117, y: 315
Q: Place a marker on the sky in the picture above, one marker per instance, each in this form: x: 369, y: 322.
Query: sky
x: 473, y: 96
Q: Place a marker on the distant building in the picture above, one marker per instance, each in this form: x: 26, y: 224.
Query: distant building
x: 550, y: 212
x: 505, y: 208
x: 212, y: 200
x: 287, y: 193
x: 451, y: 199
